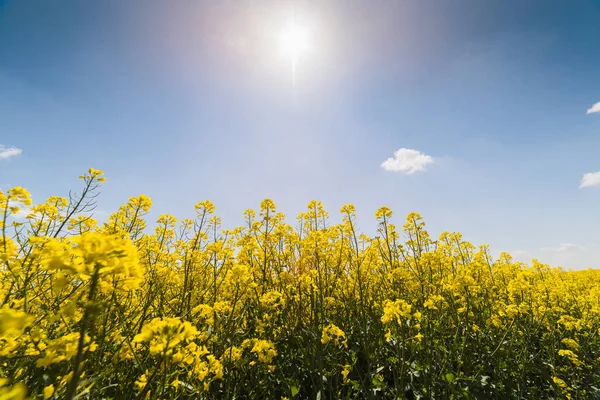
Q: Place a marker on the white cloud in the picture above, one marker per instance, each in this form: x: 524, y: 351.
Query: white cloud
x: 594, y: 109
x: 8, y: 152
x: 520, y: 255
x: 407, y: 161
x: 590, y: 179
x: 563, y: 248
x: 22, y: 213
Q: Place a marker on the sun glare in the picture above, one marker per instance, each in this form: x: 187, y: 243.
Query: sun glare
x: 294, y: 42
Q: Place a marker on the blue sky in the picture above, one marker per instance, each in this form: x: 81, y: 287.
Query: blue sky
x: 192, y: 100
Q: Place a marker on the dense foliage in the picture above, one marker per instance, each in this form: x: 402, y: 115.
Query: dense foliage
x: 269, y: 310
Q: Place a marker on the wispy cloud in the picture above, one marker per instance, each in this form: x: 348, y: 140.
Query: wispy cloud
x: 407, y: 161
x: 594, y: 109
x: 590, y: 179
x: 563, y: 248
x: 9, y: 152
x: 22, y: 213
x: 521, y: 255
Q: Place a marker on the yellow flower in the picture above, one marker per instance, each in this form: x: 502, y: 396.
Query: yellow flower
x: 48, y: 391
x: 141, y: 382
x: 559, y: 382
x: 232, y: 354
x: 272, y: 300
x: 348, y: 209
x: 345, y: 372
x: 571, y: 356
x: 570, y: 343
x: 63, y: 348
x: 265, y: 350
x: 93, y: 174
x: 16, y: 392
x: 383, y: 212
x: 111, y: 257
x: 13, y: 322
x: 164, y: 335
x: 512, y: 310
x: 17, y: 194
x: 205, y: 206
x: 388, y: 336
x: 332, y: 333
x: 215, y: 366
x: 395, y: 310
x: 430, y: 304
x: 12, y: 326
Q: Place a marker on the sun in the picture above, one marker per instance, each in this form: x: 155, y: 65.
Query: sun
x: 294, y: 41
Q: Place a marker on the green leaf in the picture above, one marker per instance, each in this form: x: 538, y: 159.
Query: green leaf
x: 377, y: 380
x: 294, y: 390
x: 450, y: 377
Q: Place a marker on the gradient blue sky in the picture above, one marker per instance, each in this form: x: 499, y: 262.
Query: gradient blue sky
x: 192, y: 100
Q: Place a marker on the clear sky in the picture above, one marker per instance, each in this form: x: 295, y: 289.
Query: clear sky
x: 492, y: 101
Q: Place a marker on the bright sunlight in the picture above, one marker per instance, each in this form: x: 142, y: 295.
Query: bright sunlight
x: 294, y: 42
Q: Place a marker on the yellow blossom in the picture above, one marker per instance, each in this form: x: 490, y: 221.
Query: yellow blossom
x: 332, y: 333
x: 48, y: 391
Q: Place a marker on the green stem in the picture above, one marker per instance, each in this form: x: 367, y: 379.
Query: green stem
x: 85, y: 324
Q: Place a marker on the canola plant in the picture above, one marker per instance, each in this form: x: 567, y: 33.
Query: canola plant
x: 271, y: 310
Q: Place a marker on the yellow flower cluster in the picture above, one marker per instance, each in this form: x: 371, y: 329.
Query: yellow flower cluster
x: 167, y: 335
x: 264, y: 349
x: 63, y: 348
x: 395, y: 311
x: 113, y: 259
x: 332, y: 333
